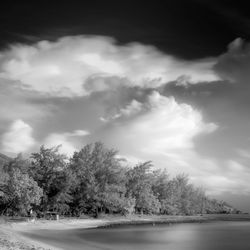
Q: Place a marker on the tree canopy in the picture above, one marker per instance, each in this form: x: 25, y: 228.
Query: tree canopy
x: 95, y: 181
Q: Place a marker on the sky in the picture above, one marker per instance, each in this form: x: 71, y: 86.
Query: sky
x: 162, y: 82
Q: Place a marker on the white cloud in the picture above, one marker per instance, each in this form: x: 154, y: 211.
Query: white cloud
x: 65, y: 140
x: 18, y: 138
x: 161, y: 124
x: 62, y: 68
x: 77, y: 132
x: 66, y: 147
x: 131, y: 109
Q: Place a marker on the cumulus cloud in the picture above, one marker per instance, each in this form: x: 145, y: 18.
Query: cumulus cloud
x: 18, y: 138
x: 64, y: 140
x: 159, y: 126
x: 65, y: 67
x: 131, y: 109
x: 164, y: 122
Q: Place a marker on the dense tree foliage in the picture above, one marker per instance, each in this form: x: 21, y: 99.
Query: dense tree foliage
x: 50, y: 170
x: 95, y: 181
x: 19, y: 191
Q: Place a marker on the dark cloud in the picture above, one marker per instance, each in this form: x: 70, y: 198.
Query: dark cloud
x: 235, y: 63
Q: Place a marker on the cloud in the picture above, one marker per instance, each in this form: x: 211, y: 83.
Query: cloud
x: 18, y: 138
x: 163, y: 122
x: 67, y: 66
x: 65, y: 140
x: 227, y: 176
x: 159, y: 128
x: 21, y: 104
x: 131, y: 109
x: 77, y: 132
x: 245, y: 153
x: 234, y: 64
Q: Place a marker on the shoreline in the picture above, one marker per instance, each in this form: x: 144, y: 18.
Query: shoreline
x: 15, y: 235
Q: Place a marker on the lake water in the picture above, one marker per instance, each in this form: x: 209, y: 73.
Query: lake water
x: 193, y: 236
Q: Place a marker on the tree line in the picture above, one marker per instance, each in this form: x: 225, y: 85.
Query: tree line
x: 95, y: 180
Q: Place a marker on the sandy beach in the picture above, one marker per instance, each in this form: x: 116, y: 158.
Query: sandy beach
x: 13, y: 234
x: 55, y: 235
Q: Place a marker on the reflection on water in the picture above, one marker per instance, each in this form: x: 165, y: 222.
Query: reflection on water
x: 206, y: 236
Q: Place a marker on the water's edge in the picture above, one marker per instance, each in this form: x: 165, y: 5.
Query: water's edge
x: 174, y: 220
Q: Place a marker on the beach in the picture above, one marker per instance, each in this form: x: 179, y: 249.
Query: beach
x: 33, y: 235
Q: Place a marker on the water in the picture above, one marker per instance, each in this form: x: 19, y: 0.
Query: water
x: 205, y: 236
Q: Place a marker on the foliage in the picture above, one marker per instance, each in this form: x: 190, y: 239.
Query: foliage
x: 49, y: 170
x: 139, y: 186
x: 94, y: 181
x: 98, y: 180
x: 19, y: 191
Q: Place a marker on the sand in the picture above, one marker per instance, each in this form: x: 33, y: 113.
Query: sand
x: 13, y: 235
x: 12, y: 240
x: 53, y: 235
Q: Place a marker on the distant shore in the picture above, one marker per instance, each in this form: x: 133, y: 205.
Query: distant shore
x: 20, y: 235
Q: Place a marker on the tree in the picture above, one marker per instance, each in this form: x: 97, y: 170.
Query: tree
x: 49, y: 170
x: 98, y: 180
x: 94, y: 181
x: 25, y: 192
x: 164, y: 189
x: 160, y: 180
x: 19, y: 191
x: 139, y: 186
